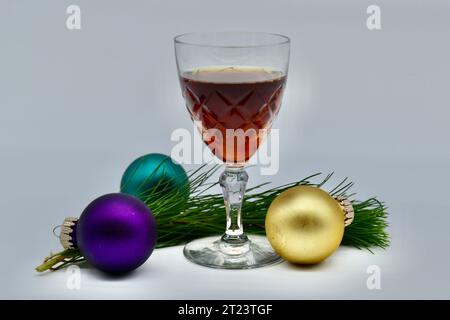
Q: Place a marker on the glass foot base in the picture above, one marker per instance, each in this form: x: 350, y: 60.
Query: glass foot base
x: 209, y: 252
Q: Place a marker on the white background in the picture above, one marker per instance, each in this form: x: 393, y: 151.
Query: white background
x: 76, y: 107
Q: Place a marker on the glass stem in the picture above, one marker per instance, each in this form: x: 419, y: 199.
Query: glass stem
x: 233, y: 182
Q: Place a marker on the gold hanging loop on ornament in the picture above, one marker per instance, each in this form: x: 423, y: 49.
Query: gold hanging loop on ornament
x: 347, y: 207
x: 65, y: 236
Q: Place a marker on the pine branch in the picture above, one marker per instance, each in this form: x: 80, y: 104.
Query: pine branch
x: 61, y: 259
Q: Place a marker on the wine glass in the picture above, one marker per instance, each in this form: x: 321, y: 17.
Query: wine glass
x: 232, y: 83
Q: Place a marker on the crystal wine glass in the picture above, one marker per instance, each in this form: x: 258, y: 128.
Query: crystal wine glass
x: 232, y: 83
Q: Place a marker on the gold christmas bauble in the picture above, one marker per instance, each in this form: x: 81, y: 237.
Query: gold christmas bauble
x: 305, y: 225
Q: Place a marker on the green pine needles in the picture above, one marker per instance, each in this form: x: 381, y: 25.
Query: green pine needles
x: 181, y: 219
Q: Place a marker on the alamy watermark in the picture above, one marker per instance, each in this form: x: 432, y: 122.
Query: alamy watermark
x: 230, y: 145
x: 73, y: 21
x: 373, y: 282
x: 73, y: 281
x: 373, y: 21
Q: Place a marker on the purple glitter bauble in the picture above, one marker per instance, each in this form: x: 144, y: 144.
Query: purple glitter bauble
x: 116, y: 233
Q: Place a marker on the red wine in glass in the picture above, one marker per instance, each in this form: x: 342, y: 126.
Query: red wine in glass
x: 231, y: 98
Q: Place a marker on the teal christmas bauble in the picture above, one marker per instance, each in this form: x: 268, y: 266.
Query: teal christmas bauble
x: 152, y: 173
